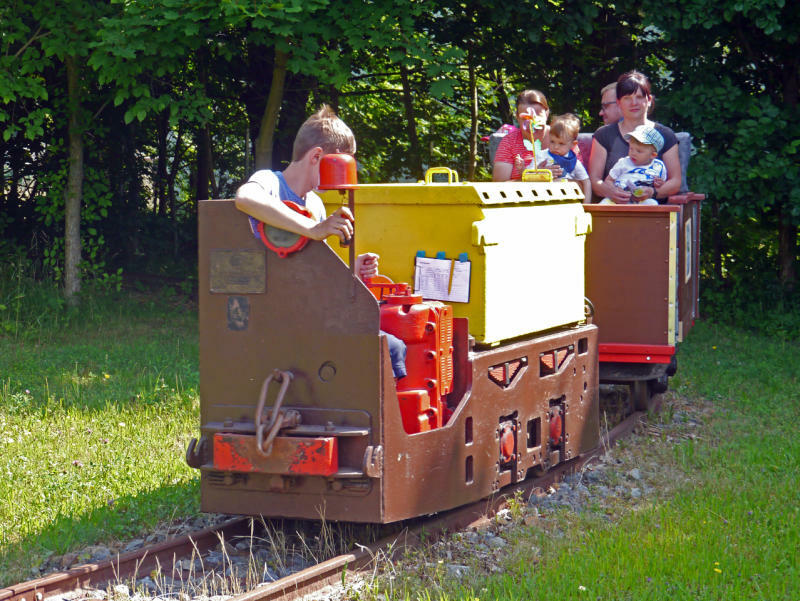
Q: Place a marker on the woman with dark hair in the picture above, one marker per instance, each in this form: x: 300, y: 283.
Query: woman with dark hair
x: 609, y: 144
x: 532, y: 109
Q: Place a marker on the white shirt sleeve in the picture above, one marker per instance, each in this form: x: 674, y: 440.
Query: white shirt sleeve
x: 268, y: 181
x: 579, y: 173
x: 315, y: 205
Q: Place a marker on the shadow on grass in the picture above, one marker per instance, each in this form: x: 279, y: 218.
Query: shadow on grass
x: 126, y: 518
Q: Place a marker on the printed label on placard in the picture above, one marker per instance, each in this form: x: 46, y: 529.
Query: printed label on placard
x: 238, y: 271
x: 442, y: 279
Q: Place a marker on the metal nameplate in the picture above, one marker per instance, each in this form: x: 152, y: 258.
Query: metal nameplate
x: 238, y: 271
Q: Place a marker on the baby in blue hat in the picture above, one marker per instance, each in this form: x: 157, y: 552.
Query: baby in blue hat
x: 640, y: 173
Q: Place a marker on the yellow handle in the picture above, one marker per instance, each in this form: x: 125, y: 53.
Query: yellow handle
x: 452, y: 175
x: 537, y: 175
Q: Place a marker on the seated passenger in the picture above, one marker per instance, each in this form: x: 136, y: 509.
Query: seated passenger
x: 262, y: 196
x: 609, y: 144
x: 515, y: 148
x: 563, y: 136
x: 640, y: 173
x: 609, y: 109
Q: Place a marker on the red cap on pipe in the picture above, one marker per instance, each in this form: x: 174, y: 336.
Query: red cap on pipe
x: 338, y: 172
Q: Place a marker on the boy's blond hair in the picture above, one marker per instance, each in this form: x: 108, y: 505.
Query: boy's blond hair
x: 565, y: 126
x: 326, y: 130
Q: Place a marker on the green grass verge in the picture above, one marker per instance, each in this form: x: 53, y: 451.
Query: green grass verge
x: 729, y: 531
x: 96, y: 408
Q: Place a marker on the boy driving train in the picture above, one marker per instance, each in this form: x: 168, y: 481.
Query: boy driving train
x: 262, y: 198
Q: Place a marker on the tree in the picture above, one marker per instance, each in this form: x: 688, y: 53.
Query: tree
x: 55, y: 37
x: 736, y: 77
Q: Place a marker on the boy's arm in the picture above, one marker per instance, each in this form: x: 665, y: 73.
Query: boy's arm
x: 580, y: 175
x: 659, y: 179
x: 550, y: 164
x: 252, y: 198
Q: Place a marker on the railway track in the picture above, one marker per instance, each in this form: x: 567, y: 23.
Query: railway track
x: 166, y: 556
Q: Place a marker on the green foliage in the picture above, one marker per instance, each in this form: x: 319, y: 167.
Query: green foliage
x: 95, y: 207
x: 726, y: 72
x: 739, y: 99
x: 442, y: 122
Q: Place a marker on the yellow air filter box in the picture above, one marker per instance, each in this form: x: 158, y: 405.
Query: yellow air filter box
x: 508, y: 256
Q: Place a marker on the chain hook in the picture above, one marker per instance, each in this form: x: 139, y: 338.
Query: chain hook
x: 276, y: 419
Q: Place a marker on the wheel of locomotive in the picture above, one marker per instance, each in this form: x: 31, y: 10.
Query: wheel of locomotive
x: 540, y: 470
x: 659, y: 385
x: 640, y: 395
x: 672, y: 367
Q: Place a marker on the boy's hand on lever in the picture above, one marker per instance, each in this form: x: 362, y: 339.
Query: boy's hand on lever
x: 339, y: 223
x: 367, y: 265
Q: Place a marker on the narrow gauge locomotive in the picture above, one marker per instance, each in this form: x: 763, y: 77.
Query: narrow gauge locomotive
x: 300, y: 413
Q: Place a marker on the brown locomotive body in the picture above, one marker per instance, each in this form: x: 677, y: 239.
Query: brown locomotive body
x: 341, y: 450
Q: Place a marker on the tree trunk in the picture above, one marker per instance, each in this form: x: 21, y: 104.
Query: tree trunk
x: 414, y: 154
x: 203, y: 138
x: 72, y: 200
x: 210, y: 159
x: 293, y: 114
x: 171, y: 175
x: 503, y: 105
x: 473, y: 121
x: 160, y: 201
x: 333, y: 93
x: 3, y: 207
x: 787, y: 230
x: 716, y: 241
x: 787, y: 252
x: 203, y: 163
x: 266, y: 131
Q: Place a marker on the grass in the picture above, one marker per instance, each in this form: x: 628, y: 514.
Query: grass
x: 725, y: 525
x: 96, y: 408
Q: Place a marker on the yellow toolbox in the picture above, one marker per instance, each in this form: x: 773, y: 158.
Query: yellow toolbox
x: 509, y: 256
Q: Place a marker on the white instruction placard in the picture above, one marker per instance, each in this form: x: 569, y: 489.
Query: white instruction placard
x: 442, y: 279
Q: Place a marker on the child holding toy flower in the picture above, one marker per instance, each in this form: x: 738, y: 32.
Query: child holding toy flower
x: 532, y: 112
x: 563, y: 138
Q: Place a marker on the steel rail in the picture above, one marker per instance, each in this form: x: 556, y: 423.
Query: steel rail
x: 125, y: 565
x: 315, y: 577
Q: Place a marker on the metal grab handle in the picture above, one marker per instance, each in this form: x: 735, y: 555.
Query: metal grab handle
x: 265, y: 446
x: 276, y: 419
x: 452, y: 175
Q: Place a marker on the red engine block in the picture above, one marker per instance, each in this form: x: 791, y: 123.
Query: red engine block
x: 427, y: 330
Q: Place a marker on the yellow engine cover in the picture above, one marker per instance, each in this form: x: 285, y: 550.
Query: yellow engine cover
x: 523, y: 242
